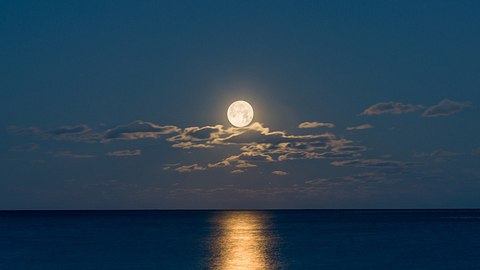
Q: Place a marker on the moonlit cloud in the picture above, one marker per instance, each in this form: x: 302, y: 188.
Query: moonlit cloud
x: 125, y: 153
x: 242, y: 160
x: 168, y: 166
x: 199, y: 134
x: 315, y: 125
x: 445, y: 107
x: 188, y: 145
x: 360, y: 127
x: 254, y: 133
x: 260, y: 145
x: 190, y: 168
x: 281, y: 173
x: 391, y: 108
x: 255, y: 143
x: 257, y: 133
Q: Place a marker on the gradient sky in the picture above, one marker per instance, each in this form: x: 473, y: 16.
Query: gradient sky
x: 122, y: 104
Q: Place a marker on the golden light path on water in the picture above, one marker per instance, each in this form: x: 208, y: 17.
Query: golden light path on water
x: 243, y: 242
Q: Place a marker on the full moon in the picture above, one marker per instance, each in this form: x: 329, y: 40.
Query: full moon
x: 240, y: 113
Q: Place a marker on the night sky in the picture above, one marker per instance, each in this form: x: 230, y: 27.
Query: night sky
x: 122, y: 104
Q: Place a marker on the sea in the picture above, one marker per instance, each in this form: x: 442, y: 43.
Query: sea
x: 246, y: 239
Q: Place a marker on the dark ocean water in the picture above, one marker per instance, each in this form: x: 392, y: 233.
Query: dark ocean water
x: 290, y: 239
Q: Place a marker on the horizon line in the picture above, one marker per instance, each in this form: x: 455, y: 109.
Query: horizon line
x: 242, y: 209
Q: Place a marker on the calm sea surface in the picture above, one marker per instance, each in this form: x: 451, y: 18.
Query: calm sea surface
x: 290, y: 239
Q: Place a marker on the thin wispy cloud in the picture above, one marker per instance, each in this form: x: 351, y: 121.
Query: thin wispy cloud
x: 360, y: 127
x: 124, y: 153
x: 24, y: 147
x: 78, y: 133
x: 446, y: 107
x: 439, y: 155
x: 280, y: 173
x: 68, y: 154
x: 82, y: 133
x: 372, y: 163
x: 65, y: 130
x: 391, y: 108
x: 138, y: 130
x: 24, y: 130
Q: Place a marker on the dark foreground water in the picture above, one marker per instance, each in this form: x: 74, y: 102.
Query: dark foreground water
x: 293, y: 239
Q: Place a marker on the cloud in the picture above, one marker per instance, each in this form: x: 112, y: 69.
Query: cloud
x: 245, y: 164
x: 339, y: 143
x: 317, y: 181
x: 368, y: 177
x: 391, y: 107
x: 334, y: 149
x: 371, y: 163
x: 68, y: 154
x: 315, y: 125
x: 360, y: 127
x: 24, y: 131
x: 65, y: 130
x: 242, y: 160
x: 259, y: 144
x: 237, y: 171
x: 281, y: 173
x: 203, y: 133
x: 439, y: 155
x: 125, y: 153
x: 167, y: 166
x: 257, y: 133
x: 78, y: 133
x: 138, y: 130
x: 190, y: 168
x: 359, y: 178
x: 444, y: 108
x: 24, y: 147
x: 256, y: 143
x: 82, y: 133
x: 188, y: 145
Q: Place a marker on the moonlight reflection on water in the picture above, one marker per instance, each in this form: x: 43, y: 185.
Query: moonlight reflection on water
x: 242, y: 242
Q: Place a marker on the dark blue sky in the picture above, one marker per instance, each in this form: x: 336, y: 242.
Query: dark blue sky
x: 122, y: 104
